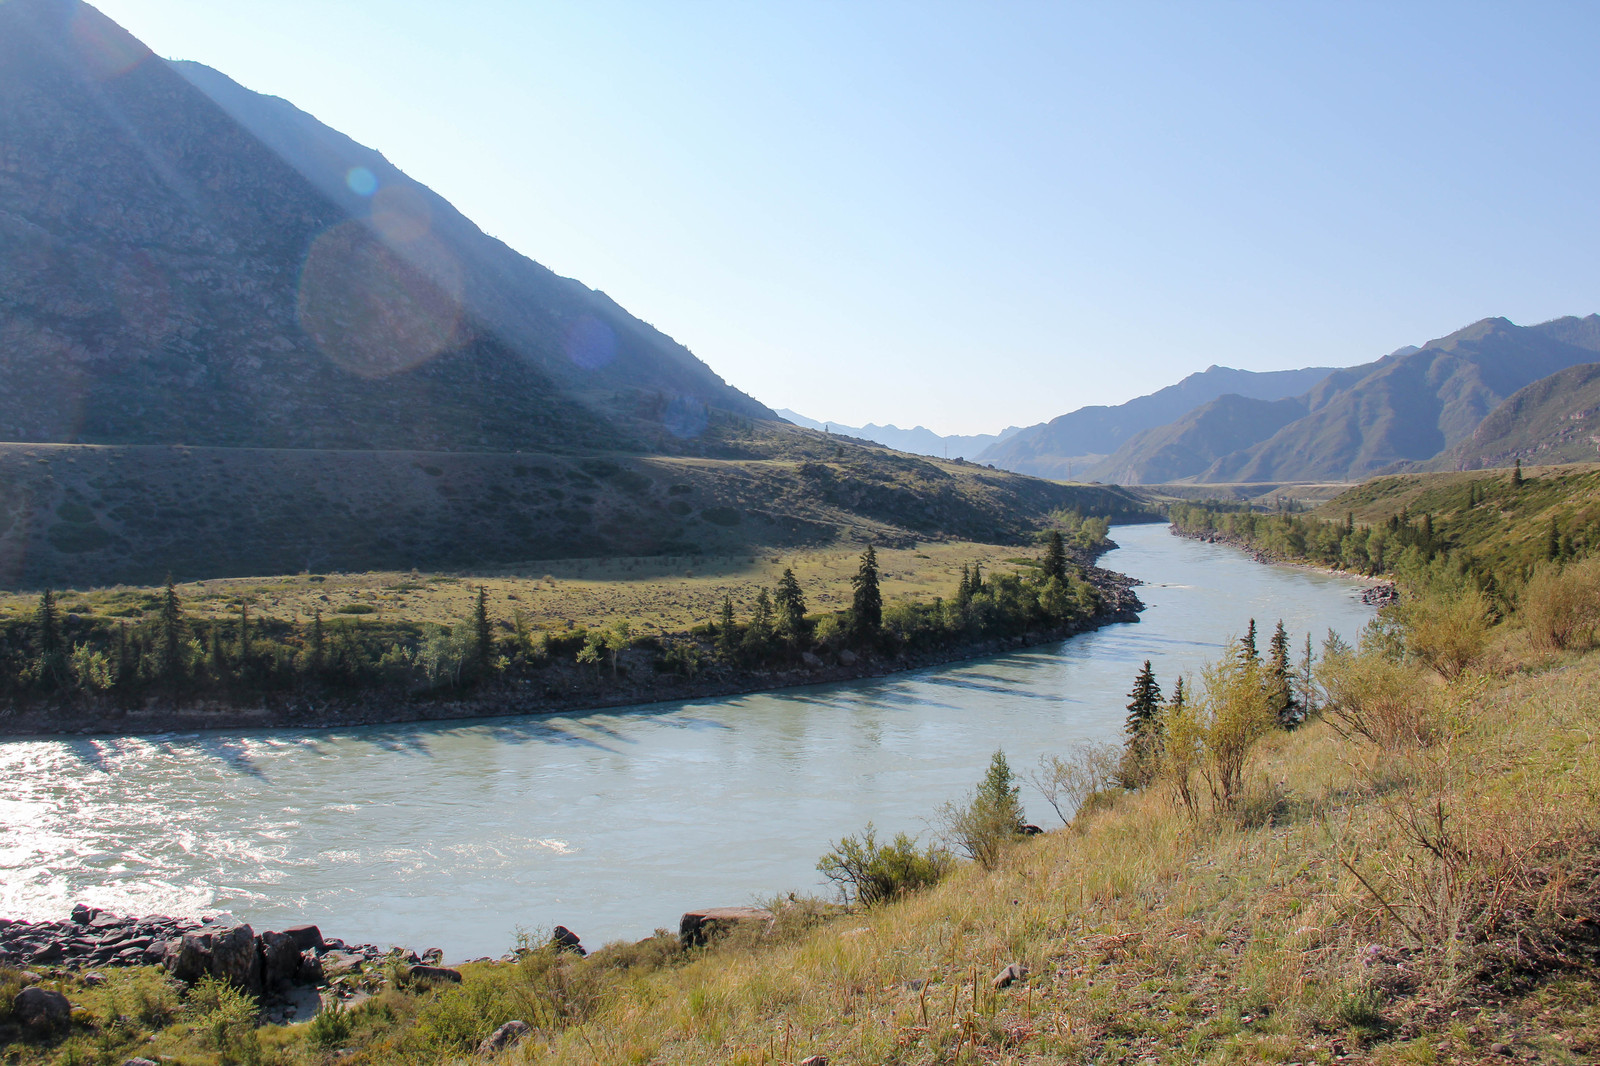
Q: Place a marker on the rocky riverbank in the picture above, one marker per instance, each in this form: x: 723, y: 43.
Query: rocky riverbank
x: 1380, y: 595
x: 560, y: 688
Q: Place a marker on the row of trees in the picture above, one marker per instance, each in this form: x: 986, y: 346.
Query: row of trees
x: 170, y: 653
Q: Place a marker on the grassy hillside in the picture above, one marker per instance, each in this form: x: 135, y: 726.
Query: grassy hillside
x: 1418, y: 894
x: 76, y: 515
x: 1554, y: 420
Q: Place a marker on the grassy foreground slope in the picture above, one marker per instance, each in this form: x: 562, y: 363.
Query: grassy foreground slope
x: 1359, y: 902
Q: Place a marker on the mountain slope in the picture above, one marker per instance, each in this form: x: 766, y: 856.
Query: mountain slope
x: 1554, y: 420
x: 1185, y: 448
x: 1410, y: 405
x: 1052, y: 448
x: 917, y: 441
x: 168, y: 275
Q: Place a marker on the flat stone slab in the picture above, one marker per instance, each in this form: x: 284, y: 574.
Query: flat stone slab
x: 696, y: 927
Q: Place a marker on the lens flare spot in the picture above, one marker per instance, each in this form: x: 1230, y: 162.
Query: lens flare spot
x: 105, y: 48
x: 401, y: 214
x: 684, y: 417
x: 590, y: 343
x: 361, y: 181
x: 374, y: 311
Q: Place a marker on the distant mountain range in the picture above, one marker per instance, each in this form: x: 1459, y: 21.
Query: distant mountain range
x: 1452, y: 402
x: 918, y: 441
x: 1074, y: 443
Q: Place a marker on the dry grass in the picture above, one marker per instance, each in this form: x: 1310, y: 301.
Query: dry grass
x: 653, y: 592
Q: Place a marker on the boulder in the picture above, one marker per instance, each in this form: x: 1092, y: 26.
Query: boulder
x: 564, y: 939
x: 236, y: 958
x: 503, y: 1037
x: 310, y: 972
x: 191, y: 960
x: 41, y: 1008
x: 433, y: 973
x: 280, y: 959
x: 433, y: 956
x: 696, y: 927
x: 83, y: 914
x: 138, y: 1062
x: 1031, y: 830
x: 810, y: 660
x: 306, y: 937
x: 847, y: 658
x: 1009, y: 976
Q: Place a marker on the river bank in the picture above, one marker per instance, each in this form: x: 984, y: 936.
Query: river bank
x: 561, y: 687
x: 1380, y: 594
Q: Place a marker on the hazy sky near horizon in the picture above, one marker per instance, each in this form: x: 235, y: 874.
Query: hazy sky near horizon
x: 970, y: 215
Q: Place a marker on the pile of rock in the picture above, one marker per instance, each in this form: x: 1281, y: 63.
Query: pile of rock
x: 1381, y: 595
x: 190, y: 948
x: 91, y: 938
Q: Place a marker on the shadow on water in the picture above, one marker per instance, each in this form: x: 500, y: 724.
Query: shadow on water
x: 999, y: 686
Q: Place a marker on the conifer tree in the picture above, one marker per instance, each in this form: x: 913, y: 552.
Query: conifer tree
x: 1552, y: 547
x: 1248, y: 645
x: 1055, y: 558
x: 483, y: 639
x: 1144, y: 706
x: 964, y: 590
x: 725, y: 643
x: 170, y: 627
x: 1516, y: 475
x: 866, y: 605
x: 1176, y: 703
x: 761, y: 621
x: 47, y: 625
x: 319, y: 643
x: 1280, y: 695
x: 791, y: 606
x: 977, y: 578
x: 1306, y: 681
x: 1000, y: 795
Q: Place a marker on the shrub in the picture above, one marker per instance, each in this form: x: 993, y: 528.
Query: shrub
x: 1068, y: 783
x: 991, y: 817
x: 329, y: 1028
x: 1382, y: 701
x: 1213, y: 738
x: 1446, y: 631
x: 869, y: 873
x: 1560, y: 608
x: 355, y: 608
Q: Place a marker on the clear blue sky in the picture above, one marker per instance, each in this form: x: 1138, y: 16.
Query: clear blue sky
x: 969, y: 215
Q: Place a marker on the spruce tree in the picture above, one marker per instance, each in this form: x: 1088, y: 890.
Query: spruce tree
x: 866, y: 605
x: 791, y: 607
x: 1280, y: 693
x: 1516, y: 475
x: 977, y: 578
x: 1552, y: 547
x: 761, y: 621
x: 47, y: 625
x: 483, y: 639
x: 999, y: 796
x: 1055, y: 558
x: 319, y: 644
x: 1248, y: 645
x: 1144, y: 706
x: 170, y: 627
x: 725, y: 628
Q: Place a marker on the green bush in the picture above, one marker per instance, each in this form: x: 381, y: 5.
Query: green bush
x: 330, y: 1028
x: 869, y: 873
